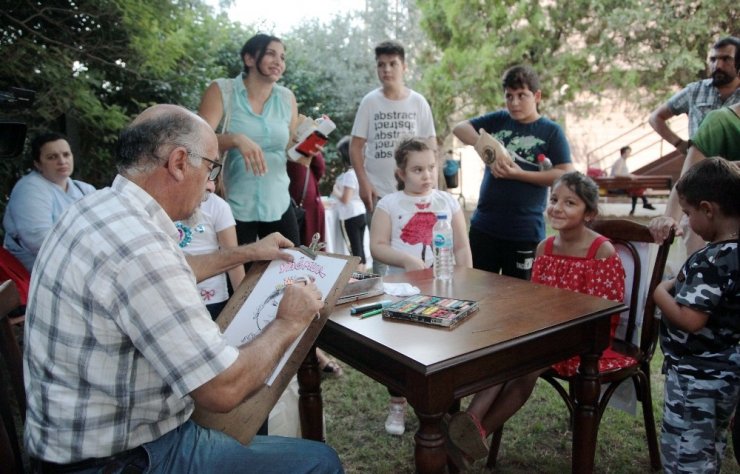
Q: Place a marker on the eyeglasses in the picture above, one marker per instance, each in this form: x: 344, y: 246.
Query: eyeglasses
x: 215, y: 169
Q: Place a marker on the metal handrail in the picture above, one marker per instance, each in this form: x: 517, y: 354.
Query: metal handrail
x: 589, y: 155
x: 616, y: 138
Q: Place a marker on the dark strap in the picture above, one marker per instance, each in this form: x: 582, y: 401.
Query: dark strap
x: 77, y: 185
x: 305, y: 187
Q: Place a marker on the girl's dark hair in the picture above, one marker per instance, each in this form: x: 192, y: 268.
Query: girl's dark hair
x: 584, y: 187
x: 714, y: 180
x: 401, y: 155
x: 343, y: 150
x: 42, y: 139
x: 256, y: 47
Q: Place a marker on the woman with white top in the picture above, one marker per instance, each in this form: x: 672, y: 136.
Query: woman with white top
x: 39, y: 198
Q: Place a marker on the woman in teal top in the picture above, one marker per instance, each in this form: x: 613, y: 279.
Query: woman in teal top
x: 262, y: 121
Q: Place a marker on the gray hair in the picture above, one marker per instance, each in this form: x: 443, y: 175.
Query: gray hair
x: 142, y: 146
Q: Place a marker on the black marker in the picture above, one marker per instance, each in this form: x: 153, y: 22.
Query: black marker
x: 369, y: 307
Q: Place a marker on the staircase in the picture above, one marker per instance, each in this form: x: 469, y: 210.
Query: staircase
x: 651, y: 155
x: 669, y: 164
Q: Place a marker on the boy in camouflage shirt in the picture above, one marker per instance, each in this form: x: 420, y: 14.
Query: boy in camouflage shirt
x: 700, y: 330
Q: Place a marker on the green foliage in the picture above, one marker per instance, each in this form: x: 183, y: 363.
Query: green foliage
x: 642, y: 49
x: 329, y: 69
x: 96, y: 64
x: 331, y: 65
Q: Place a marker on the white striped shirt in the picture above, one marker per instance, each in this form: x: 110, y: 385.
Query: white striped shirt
x: 116, y: 333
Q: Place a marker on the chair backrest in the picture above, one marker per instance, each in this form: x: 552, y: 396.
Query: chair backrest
x: 12, y: 269
x: 627, y: 235
x: 11, y: 356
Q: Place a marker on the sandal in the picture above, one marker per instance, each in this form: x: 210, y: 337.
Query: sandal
x: 332, y: 368
x: 461, y: 460
x: 465, y: 432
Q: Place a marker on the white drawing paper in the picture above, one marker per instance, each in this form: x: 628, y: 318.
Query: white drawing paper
x: 260, y: 307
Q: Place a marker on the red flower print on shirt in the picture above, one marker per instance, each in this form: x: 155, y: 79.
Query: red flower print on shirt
x: 418, y: 230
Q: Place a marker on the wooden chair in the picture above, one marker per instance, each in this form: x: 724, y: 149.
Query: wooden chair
x: 10, y: 445
x: 624, y: 234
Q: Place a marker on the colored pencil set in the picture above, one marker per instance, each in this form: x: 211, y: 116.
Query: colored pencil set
x: 431, y: 310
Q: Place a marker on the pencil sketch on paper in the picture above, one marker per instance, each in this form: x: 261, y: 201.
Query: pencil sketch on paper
x: 260, y: 307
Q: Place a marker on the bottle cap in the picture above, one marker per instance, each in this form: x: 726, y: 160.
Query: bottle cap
x: 442, y: 215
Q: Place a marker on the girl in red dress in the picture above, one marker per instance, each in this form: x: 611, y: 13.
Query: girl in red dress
x: 577, y: 259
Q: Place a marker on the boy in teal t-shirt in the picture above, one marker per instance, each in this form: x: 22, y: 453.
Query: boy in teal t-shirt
x: 508, y: 223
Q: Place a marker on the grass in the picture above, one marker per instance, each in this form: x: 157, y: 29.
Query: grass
x: 536, y: 439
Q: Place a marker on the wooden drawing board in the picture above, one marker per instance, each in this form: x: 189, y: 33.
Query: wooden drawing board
x: 243, y: 421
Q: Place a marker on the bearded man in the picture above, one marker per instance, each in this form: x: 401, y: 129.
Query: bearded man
x: 721, y: 89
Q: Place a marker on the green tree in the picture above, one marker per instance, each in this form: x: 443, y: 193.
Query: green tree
x: 642, y: 49
x: 331, y: 65
x: 94, y: 64
x: 329, y: 69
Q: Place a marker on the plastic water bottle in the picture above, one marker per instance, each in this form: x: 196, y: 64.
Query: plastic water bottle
x: 442, y: 243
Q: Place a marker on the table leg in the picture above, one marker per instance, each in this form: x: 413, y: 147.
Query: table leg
x: 586, y: 423
x: 430, y: 452
x: 310, y: 404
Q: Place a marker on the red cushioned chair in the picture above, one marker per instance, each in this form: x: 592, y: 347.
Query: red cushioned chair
x: 12, y: 269
x: 12, y: 396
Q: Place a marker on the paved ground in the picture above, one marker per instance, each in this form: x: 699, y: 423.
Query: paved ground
x: 618, y: 207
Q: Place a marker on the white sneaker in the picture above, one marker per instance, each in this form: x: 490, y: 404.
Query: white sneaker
x: 395, y: 423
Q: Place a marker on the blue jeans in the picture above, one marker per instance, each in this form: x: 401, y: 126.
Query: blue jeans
x: 192, y: 448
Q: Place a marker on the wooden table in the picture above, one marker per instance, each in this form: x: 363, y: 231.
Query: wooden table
x: 520, y: 327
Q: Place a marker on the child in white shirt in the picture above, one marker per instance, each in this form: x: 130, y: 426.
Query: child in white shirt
x: 401, y: 230
x: 210, y: 228
x: 350, y: 208
x: 401, y: 233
